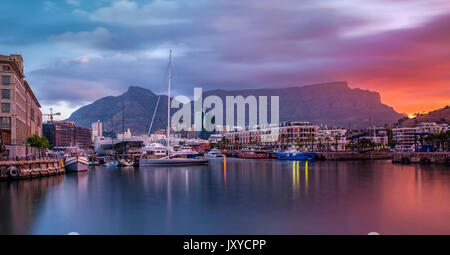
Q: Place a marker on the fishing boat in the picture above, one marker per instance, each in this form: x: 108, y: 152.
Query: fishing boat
x: 76, y: 163
x: 253, y: 154
x: 171, y: 158
x: 295, y: 154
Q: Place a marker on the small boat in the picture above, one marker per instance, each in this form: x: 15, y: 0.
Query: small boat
x: 112, y: 164
x: 294, y: 154
x: 76, y: 163
x: 253, y: 154
x: 126, y: 162
x: 94, y: 163
x: 214, y: 153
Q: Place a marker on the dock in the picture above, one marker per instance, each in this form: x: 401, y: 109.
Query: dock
x: 12, y: 170
x: 354, y: 155
x: 421, y: 157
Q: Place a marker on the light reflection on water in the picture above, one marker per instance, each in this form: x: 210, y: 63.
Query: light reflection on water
x: 234, y: 197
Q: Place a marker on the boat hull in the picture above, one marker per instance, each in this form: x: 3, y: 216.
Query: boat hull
x: 173, y: 162
x: 252, y: 155
x: 295, y: 156
x: 76, y: 164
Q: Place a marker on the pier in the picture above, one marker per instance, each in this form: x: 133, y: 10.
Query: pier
x: 421, y: 157
x: 11, y: 170
x: 353, y: 155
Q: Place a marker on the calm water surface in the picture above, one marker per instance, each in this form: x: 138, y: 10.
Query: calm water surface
x: 239, y: 197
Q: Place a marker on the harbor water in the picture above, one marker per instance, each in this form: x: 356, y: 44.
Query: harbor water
x: 234, y: 196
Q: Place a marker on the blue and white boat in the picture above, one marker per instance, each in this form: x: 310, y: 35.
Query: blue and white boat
x: 295, y: 154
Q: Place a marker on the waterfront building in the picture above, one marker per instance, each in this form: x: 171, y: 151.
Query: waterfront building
x: 97, y: 129
x: 103, y: 145
x: 377, y: 135
x: 67, y: 134
x: 286, y: 134
x: 432, y: 127
x: 332, y: 139
x: 20, y: 114
x: 216, y: 138
x: 157, y: 137
x: 404, y: 136
x: 126, y: 135
x: 132, y: 145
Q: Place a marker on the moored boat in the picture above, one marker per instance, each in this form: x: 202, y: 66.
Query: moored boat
x: 126, y: 162
x: 214, y: 153
x: 76, y: 164
x: 294, y: 154
x: 253, y: 154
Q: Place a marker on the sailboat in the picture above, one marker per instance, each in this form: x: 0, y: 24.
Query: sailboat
x: 171, y: 158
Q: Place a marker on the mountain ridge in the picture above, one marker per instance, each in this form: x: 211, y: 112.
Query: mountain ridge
x: 331, y: 103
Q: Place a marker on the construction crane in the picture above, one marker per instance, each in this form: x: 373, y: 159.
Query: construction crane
x: 51, y: 114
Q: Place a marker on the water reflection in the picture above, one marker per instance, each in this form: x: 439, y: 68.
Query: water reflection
x: 234, y: 196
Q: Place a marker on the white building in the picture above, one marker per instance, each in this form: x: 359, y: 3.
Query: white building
x: 431, y: 127
x: 332, y: 139
x: 405, y: 136
x: 103, y: 145
x: 97, y: 129
x: 123, y: 136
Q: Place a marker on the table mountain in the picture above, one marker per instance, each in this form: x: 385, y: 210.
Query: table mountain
x: 332, y: 104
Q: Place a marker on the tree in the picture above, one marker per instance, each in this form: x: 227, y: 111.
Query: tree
x: 327, y: 142
x: 40, y: 143
x: 283, y: 136
x: 336, y: 142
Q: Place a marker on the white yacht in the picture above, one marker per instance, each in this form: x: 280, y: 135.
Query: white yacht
x: 214, y: 153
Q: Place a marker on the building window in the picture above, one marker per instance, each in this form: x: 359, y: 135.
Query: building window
x: 5, y: 68
x: 6, y: 80
x: 6, y: 107
x: 5, y: 122
x: 6, y: 94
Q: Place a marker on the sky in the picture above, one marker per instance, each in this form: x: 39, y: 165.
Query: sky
x: 77, y: 51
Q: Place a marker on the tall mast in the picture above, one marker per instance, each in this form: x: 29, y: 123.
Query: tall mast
x: 123, y: 128
x: 168, y: 102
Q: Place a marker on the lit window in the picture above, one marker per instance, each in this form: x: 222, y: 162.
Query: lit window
x: 5, y: 68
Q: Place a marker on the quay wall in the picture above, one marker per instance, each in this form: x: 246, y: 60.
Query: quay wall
x: 353, y: 155
x: 30, y: 169
x: 421, y: 157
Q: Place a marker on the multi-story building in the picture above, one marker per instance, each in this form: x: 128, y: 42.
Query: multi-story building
x: 67, y: 134
x: 287, y: 133
x: 377, y: 135
x: 20, y: 114
x: 405, y: 136
x: 332, y: 139
x: 97, y: 129
x: 431, y: 127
